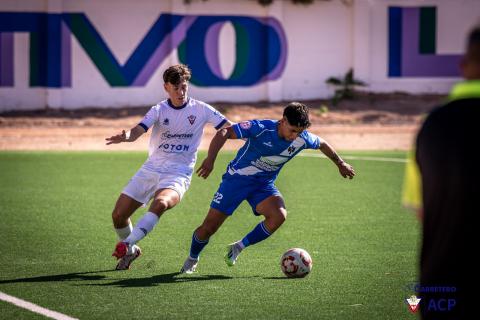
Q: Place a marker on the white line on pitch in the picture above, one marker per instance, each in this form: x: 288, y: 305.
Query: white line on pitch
x: 34, y: 308
x: 382, y: 159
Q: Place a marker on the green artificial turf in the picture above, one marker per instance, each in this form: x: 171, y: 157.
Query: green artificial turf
x: 57, y: 238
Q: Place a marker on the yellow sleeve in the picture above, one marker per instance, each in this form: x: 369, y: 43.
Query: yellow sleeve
x: 412, y: 184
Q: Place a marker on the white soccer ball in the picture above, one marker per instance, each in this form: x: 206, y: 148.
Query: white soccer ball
x: 296, y: 263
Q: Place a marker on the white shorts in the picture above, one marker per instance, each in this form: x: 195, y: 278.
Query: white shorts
x: 145, y: 183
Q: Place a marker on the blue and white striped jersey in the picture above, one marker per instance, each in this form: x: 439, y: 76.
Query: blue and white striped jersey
x: 264, y: 152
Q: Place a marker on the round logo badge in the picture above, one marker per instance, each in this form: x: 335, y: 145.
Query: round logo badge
x: 245, y: 125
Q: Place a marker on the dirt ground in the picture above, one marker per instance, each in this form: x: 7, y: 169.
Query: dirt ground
x: 369, y: 122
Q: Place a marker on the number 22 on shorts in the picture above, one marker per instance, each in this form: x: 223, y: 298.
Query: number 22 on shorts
x: 217, y: 197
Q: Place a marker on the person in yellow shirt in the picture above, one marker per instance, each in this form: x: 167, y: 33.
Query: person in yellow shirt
x: 443, y: 184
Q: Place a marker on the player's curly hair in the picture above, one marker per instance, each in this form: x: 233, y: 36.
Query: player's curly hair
x: 176, y: 74
x: 296, y: 114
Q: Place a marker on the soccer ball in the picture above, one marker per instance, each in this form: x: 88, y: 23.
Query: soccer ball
x: 296, y: 263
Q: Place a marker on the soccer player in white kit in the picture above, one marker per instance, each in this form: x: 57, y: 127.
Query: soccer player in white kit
x: 177, y: 127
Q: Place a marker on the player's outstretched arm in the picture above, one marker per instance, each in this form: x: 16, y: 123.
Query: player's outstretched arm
x: 216, y: 144
x: 128, y: 136
x: 344, y: 168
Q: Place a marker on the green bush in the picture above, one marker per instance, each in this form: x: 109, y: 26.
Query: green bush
x: 346, y: 87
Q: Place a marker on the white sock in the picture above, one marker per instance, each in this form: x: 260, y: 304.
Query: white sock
x: 240, y: 245
x: 142, y: 228
x: 123, y: 233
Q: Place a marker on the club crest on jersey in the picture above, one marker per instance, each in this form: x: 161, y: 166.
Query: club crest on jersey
x: 191, y: 118
x: 166, y: 122
x: 245, y: 125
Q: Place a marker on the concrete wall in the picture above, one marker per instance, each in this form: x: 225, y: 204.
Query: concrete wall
x: 112, y: 53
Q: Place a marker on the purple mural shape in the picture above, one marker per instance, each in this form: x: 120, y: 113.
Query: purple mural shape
x: 6, y: 59
x: 415, y: 64
x: 282, y: 61
x: 211, y: 48
x: 171, y: 41
x: 212, y: 45
x: 66, y: 56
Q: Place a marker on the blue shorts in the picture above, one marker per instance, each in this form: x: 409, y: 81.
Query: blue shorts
x: 233, y: 190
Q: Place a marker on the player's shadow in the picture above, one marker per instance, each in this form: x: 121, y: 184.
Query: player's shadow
x: 74, y: 276
x: 175, y: 277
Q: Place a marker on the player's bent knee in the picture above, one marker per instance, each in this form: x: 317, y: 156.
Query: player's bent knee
x: 160, y: 205
x: 279, y: 219
x: 282, y: 216
x: 118, y: 217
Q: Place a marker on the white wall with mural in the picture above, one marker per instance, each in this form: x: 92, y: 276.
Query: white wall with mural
x: 411, y: 45
x: 112, y: 53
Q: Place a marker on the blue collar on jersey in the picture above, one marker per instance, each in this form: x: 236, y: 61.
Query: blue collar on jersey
x: 178, y: 108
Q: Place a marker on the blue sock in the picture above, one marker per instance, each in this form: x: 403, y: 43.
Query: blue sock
x: 259, y: 233
x: 197, y: 246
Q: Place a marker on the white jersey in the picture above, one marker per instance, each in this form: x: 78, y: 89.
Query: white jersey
x: 176, y: 134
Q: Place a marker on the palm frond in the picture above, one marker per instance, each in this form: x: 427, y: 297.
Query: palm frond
x: 334, y: 81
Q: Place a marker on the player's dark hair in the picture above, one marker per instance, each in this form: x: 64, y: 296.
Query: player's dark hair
x: 473, y: 44
x: 296, y: 114
x: 176, y: 74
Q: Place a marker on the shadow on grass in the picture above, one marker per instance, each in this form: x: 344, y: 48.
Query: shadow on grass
x: 175, y: 277
x: 282, y: 278
x: 62, y: 277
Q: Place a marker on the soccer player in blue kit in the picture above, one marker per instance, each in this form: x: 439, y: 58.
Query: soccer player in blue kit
x: 251, y: 176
